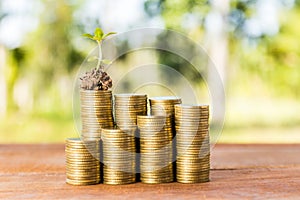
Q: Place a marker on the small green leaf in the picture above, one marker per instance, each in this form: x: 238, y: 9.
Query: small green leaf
x: 92, y: 58
x: 87, y: 36
x: 98, y: 34
x: 108, y: 34
x: 107, y: 62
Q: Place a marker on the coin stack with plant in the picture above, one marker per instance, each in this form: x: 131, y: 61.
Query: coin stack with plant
x: 156, y: 150
x: 96, y: 99
x: 83, y: 155
x: 119, y: 153
x: 193, y: 146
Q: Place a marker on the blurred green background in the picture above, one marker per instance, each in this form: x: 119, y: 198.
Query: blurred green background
x: 254, y: 43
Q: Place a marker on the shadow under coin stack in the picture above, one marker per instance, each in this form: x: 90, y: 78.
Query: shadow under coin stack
x: 127, y: 107
x: 118, y: 156
x: 82, y: 162
x: 156, y: 150
x: 193, y: 146
x: 96, y: 112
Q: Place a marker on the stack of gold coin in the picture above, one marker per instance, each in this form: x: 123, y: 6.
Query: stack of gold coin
x: 96, y: 112
x: 82, y: 162
x: 156, y: 149
x: 127, y: 107
x: 119, y: 153
x: 165, y: 106
x: 193, y: 147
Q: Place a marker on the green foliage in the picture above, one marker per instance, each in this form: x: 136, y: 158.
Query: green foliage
x: 47, y: 58
x: 108, y: 34
x: 271, y: 62
x: 50, y: 51
x: 18, y: 55
x: 87, y: 35
x: 275, y: 60
x: 12, y: 73
x: 174, y: 12
x: 98, y: 36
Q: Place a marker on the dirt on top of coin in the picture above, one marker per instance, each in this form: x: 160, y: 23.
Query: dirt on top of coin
x: 96, y: 79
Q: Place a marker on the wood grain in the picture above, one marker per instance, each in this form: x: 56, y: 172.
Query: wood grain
x: 238, y: 172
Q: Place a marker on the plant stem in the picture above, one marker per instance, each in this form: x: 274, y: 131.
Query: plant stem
x: 99, y: 55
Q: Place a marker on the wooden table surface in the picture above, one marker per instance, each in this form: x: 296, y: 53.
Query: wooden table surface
x: 238, y: 172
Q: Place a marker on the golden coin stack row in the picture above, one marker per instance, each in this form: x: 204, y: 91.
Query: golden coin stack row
x: 118, y: 156
x: 156, y: 149
x: 154, y: 143
x: 96, y: 112
x: 127, y: 107
x: 82, y: 162
x: 193, y: 147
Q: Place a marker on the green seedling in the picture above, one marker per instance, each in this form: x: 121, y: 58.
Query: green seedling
x: 97, y: 78
x: 99, y: 36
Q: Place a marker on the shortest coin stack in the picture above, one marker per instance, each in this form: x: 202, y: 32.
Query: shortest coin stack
x: 193, y: 147
x: 82, y: 162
